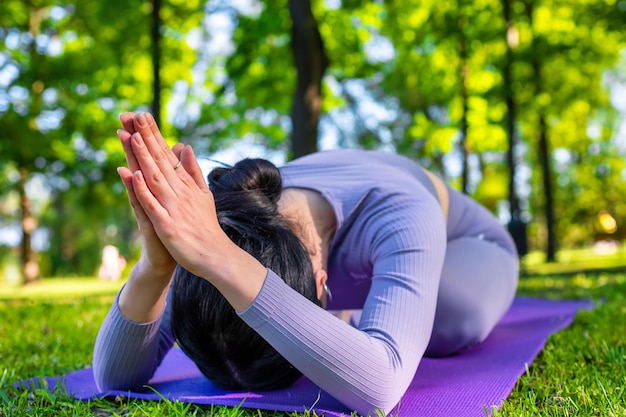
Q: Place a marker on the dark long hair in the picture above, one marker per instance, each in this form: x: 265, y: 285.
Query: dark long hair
x: 225, y: 349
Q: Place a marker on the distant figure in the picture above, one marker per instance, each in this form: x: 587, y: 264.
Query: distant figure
x: 112, y: 264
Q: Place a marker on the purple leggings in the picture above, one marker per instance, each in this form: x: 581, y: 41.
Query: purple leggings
x: 478, y: 280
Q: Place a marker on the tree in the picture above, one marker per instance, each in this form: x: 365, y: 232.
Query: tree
x: 311, y: 63
x: 31, y: 116
x: 516, y: 224
x: 439, y: 82
x: 563, y: 54
x: 73, y: 69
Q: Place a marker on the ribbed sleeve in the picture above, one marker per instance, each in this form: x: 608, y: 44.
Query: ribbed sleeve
x: 126, y: 353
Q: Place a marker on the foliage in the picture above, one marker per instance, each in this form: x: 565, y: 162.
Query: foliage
x: 408, y: 77
x: 68, y: 70
x: 562, y: 56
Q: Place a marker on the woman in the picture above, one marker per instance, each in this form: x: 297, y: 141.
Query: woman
x: 244, y: 273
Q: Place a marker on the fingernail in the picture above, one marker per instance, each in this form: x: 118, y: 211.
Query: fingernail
x: 118, y: 131
x: 141, y: 120
x: 119, y: 170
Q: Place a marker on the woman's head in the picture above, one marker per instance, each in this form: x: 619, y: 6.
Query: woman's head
x: 207, y: 328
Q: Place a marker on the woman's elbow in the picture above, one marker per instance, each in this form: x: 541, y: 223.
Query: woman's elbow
x: 110, y: 379
x: 105, y: 381
x: 381, y: 402
x: 377, y: 408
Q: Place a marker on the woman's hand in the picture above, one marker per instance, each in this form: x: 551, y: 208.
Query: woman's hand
x: 178, y: 204
x: 175, y: 206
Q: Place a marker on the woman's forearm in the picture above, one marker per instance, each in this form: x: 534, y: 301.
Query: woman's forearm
x: 136, y: 333
x: 238, y: 275
x: 142, y: 300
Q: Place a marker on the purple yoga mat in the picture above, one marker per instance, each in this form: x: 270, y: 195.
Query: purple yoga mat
x: 463, y: 385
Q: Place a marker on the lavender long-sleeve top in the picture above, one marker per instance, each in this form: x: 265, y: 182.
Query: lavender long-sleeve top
x: 386, y: 258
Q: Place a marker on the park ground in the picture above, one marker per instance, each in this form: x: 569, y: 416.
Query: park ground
x: 49, y: 328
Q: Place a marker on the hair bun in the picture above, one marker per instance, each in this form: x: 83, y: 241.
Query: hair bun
x: 252, y: 175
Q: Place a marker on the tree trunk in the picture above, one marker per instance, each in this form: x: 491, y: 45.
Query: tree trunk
x: 30, y: 267
x: 516, y: 226
x: 546, y: 168
x: 156, y: 60
x: 311, y: 62
x: 510, y: 115
x: 464, y: 125
x: 543, y: 147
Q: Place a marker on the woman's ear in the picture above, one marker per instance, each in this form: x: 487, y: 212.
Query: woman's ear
x: 320, y: 281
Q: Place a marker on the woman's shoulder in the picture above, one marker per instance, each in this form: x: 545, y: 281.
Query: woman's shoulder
x: 350, y: 168
x: 352, y: 180
x: 352, y: 157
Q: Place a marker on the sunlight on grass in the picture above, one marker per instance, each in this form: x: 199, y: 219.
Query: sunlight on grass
x: 569, y: 261
x: 579, y: 280
x: 59, y: 288
x: 573, y: 260
x: 582, y: 369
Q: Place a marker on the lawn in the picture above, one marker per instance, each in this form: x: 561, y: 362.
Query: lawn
x: 49, y: 330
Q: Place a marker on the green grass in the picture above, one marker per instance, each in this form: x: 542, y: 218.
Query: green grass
x: 580, y: 372
x: 582, y: 369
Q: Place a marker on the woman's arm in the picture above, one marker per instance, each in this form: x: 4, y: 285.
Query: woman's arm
x: 180, y: 207
x: 137, y: 332
x: 127, y: 353
x: 369, y: 367
x: 143, y: 298
x: 134, y: 336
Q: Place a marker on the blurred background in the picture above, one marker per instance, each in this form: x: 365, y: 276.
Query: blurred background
x: 519, y: 103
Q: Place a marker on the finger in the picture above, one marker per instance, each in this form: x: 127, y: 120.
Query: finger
x: 127, y: 121
x: 154, y: 127
x: 156, y: 145
x: 158, y: 181
x: 140, y: 215
x: 156, y: 213
x: 190, y: 163
x: 131, y: 160
x: 177, y: 149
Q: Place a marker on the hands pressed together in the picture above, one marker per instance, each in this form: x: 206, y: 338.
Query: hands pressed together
x: 175, y: 212
x: 169, y: 196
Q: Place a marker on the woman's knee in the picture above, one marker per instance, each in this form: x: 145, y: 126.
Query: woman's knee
x: 457, y: 329
x: 477, y: 286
